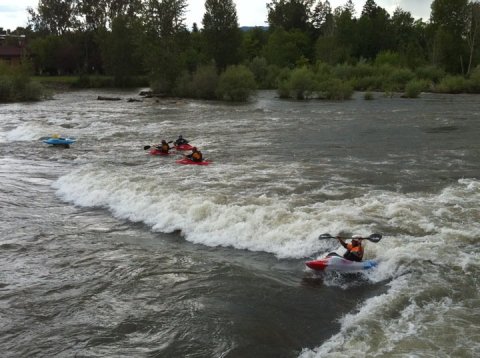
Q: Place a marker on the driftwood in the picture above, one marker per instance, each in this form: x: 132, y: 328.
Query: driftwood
x: 102, y: 98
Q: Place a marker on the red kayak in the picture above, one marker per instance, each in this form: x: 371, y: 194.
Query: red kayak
x: 337, y: 263
x: 155, y: 151
x: 189, y: 161
x: 184, y: 147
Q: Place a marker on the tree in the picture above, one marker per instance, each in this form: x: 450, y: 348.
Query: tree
x: 449, y: 19
x: 373, y: 31
x: 119, y: 51
x: 221, y: 32
x: 164, y: 41
x: 54, y: 17
x: 286, y: 49
x: 253, y: 42
x: 322, y: 19
x: 290, y: 14
x: 473, y: 31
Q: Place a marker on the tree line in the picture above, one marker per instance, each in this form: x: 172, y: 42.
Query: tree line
x: 307, y: 48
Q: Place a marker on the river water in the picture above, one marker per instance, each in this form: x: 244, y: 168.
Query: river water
x: 108, y: 251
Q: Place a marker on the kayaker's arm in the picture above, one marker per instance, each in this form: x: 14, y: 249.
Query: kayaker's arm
x: 341, y: 241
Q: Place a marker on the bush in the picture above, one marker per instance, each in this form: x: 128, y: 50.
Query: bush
x: 368, y: 96
x: 400, y: 77
x: 388, y: 58
x: 6, y: 89
x: 414, y: 88
x: 259, y: 68
x: 430, y: 73
x: 474, y: 81
x: 368, y: 83
x: 335, y: 89
x: 19, y: 87
x: 301, y: 83
x: 452, y: 84
x: 204, y: 82
x: 237, y: 83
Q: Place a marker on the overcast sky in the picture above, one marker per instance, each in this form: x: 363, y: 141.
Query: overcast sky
x: 250, y: 12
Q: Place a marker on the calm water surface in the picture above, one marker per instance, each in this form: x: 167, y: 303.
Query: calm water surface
x: 108, y: 251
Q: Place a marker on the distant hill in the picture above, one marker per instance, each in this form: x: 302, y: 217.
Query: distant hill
x: 248, y: 28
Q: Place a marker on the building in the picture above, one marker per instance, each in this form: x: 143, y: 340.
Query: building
x: 12, y: 48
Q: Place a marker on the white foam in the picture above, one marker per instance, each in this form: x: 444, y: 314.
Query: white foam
x: 272, y: 224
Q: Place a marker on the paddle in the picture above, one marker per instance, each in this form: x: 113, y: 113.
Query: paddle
x: 372, y: 238
x: 149, y: 146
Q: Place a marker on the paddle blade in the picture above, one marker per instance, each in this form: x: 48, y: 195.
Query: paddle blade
x: 374, y: 237
x: 147, y: 147
x: 326, y: 236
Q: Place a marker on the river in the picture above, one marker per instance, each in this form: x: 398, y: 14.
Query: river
x: 108, y: 251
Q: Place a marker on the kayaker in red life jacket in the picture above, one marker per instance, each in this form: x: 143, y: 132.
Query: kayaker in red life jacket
x: 180, y: 140
x: 354, y: 249
x: 164, y: 147
x: 196, y: 155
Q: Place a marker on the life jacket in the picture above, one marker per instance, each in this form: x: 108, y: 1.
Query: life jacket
x: 165, y: 148
x: 354, y: 253
x: 197, y: 156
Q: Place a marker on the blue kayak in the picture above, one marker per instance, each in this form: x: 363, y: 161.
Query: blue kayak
x: 59, y: 141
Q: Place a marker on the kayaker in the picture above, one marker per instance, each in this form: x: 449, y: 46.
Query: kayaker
x: 180, y: 140
x: 164, y: 147
x: 196, y: 155
x: 354, y: 248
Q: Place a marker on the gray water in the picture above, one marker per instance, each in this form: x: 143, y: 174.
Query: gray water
x: 108, y: 251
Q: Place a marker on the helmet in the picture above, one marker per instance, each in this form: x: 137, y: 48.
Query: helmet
x: 356, y: 238
x: 194, y: 148
x: 163, y: 141
x: 180, y: 136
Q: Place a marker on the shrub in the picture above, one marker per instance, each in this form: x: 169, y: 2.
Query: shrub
x: 474, y: 81
x: 368, y: 82
x: 335, y: 89
x: 204, y: 82
x: 388, y: 58
x: 17, y: 86
x: 452, y: 84
x: 301, y: 83
x: 237, y: 83
x: 430, y: 73
x: 6, y: 89
x: 414, y: 88
x: 33, y: 91
x: 368, y: 96
x: 400, y: 77
x: 259, y: 68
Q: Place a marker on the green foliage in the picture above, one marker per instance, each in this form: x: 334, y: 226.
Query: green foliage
x: 335, y: 89
x: 201, y: 84
x: 290, y: 15
x: 374, y: 82
x: 431, y: 73
x: 474, y: 81
x: 414, y: 87
x: 399, y: 77
x: 120, y: 53
x: 452, y: 84
x: 300, y: 84
x: 259, y: 68
x: 16, y: 85
x: 284, y: 49
x: 222, y: 35
x: 388, y: 58
x: 237, y: 84
x: 368, y: 96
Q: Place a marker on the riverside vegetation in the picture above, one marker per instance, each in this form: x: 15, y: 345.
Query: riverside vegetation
x: 308, y: 50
